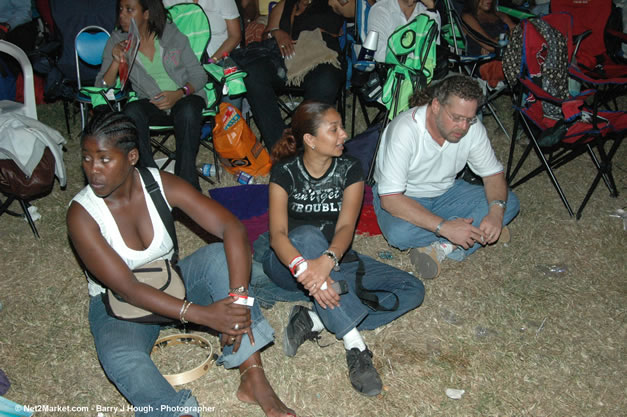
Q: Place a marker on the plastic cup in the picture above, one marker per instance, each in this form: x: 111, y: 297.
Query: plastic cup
x: 371, y: 40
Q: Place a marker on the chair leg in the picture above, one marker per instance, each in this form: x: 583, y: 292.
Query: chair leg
x: 66, y: 111
x: 31, y: 223
x: 604, y: 171
x: 496, y: 117
x: 549, y: 171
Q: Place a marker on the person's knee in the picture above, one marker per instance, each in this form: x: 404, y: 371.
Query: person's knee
x: 415, y: 291
x: 396, y: 232
x: 135, y: 112
x: 189, y: 110
x: 324, y: 85
x: 309, y: 240
x: 125, y: 366
x: 259, y: 76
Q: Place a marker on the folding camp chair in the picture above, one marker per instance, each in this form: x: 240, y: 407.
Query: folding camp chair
x: 363, y: 78
x: 592, y: 65
x: 191, y: 20
x: 455, y: 32
x: 580, y: 129
x: 89, y: 45
x: 70, y: 16
x: 411, y: 56
x: 27, y: 161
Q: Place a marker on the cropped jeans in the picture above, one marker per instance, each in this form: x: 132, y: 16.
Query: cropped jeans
x: 124, y: 347
x: 461, y: 200
x: 351, y: 313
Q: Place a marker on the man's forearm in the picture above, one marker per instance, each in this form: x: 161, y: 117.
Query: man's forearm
x: 495, y: 190
x: 405, y: 208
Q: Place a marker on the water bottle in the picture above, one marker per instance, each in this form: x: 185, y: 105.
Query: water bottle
x: 244, y: 178
x: 208, y: 170
x: 230, y: 67
x: 503, y: 41
x: 365, y: 59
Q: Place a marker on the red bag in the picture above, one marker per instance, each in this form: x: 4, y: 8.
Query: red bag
x: 237, y: 145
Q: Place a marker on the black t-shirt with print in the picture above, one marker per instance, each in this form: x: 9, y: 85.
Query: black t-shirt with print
x: 315, y: 201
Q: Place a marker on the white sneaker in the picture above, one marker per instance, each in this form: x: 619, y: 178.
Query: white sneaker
x: 427, y: 259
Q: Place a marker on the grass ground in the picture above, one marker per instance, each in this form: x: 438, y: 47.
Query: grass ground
x: 534, y: 328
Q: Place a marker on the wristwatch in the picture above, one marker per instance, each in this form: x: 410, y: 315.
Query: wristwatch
x: 500, y: 203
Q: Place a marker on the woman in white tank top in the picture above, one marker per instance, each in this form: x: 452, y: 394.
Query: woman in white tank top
x: 114, y: 227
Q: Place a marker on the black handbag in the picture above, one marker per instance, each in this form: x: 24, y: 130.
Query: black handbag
x: 161, y: 274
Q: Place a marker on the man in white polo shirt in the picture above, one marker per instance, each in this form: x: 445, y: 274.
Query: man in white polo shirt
x: 418, y: 200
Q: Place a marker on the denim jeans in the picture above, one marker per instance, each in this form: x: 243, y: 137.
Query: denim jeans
x: 186, y: 117
x: 351, y: 313
x: 461, y: 200
x: 124, y: 347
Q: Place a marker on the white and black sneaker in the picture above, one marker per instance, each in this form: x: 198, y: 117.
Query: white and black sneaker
x: 298, y: 330
x: 362, y: 373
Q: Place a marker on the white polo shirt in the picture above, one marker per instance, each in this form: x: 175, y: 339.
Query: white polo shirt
x: 218, y: 12
x: 411, y: 162
x: 386, y: 16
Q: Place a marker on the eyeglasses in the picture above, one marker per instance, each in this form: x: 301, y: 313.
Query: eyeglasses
x: 460, y: 119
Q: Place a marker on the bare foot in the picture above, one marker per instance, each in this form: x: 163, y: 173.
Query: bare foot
x: 255, y: 389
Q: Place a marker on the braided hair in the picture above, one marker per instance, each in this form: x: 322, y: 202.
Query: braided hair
x: 115, y: 127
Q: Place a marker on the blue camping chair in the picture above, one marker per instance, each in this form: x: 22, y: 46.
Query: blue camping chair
x: 89, y: 45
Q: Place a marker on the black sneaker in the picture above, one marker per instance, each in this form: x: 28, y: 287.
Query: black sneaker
x: 298, y: 330
x: 362, y: 373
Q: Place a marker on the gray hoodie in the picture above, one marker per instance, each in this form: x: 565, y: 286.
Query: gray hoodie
x: 179, y: 61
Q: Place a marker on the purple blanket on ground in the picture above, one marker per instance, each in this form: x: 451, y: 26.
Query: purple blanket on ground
x: 249, y: 203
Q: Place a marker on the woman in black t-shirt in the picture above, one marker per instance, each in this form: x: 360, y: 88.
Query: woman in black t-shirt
x: 315, y: 198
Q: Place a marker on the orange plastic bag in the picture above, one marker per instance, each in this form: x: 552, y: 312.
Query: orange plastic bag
x: 236, y: 144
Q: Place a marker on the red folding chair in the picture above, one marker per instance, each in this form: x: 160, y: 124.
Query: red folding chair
x: 592, y: 64
x: 581, y: 129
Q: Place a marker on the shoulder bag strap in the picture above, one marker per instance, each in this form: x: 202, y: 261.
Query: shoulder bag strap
x: 162, y: 208
x: 369, y: 297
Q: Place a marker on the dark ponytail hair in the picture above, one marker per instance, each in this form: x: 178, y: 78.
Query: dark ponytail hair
x: 307, y: 119
x: 115, y: 127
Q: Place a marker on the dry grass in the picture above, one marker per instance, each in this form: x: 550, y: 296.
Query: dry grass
x: 518, y: 340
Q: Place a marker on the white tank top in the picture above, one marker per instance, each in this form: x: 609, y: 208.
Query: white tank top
x: 161, y: 246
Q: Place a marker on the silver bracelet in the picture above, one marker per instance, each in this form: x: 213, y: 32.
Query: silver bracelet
x: 438, y: 227
x: 501, y: 203
x: 333, y: 256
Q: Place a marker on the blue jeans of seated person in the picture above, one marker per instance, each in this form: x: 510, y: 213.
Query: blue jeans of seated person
x: 185, y: 117
x: 124, y: 347
x: 351, y: 313
x: 320, y: 84
x: 461, y: 200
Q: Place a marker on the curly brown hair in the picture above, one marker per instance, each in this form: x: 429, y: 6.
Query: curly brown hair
x: 459, y: 85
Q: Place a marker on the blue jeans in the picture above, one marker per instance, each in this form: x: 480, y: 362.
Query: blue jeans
x: 461, y: 200
x: 124, y: 347
x: 351, y: 313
